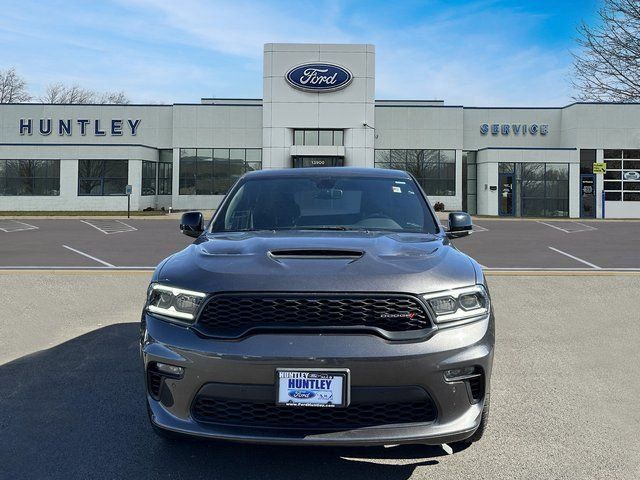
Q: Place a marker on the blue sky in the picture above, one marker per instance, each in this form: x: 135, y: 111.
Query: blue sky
x: 472, y: 53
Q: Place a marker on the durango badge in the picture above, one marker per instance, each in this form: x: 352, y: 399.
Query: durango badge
x: 408, y: 315
x: 319, y: 77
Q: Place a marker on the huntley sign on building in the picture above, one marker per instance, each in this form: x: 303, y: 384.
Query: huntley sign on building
x: 318, y: 109
x: 48, y: 126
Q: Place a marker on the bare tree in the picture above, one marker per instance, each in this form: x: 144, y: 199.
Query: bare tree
x: 61, y: 93
x: 13, y: 89
x: 75, y: 94
x: 118, y: 98
x: 608, y: 66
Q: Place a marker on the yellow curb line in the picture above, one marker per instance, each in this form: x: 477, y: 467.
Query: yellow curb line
x: 555, y: 273
x: 495, y: 273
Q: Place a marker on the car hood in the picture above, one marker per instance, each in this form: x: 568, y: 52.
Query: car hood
x: 311, y: 261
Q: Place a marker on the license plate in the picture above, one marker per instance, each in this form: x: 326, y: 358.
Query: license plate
x: 312, y: 388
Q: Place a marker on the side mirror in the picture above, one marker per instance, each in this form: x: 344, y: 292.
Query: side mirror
x: 460, y: 225
x: 192, y: 224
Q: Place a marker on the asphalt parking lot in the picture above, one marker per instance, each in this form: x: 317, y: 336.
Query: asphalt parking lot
x: 564, y: 396
x: 554, y: 244
x: 87, y: 243
x: 564, y: 390
x: 142, y: 243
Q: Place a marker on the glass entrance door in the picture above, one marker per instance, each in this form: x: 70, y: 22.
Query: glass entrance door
x: 587, y: 196
x: 506, y: 194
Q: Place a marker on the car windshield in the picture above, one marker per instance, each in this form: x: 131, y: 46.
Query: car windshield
x: 325, y: 203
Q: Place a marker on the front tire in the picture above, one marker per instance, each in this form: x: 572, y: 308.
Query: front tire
x: 477, y: 435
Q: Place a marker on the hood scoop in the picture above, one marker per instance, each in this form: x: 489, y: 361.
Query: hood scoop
x: 316, y: 254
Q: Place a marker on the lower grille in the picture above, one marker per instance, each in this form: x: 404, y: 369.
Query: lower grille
x: 477, y: 387
x: 233, y: 315
x: 154, y: 383
x: 268, y: 415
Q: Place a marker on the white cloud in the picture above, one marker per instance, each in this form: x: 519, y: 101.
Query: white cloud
x: 242, y: 27
x: 481, y: 53
x: 469, y: 54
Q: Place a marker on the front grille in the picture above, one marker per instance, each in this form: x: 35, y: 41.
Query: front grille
x: 268, y: 415
x: 232, y: 315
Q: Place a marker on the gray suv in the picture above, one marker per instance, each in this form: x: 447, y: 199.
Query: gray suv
x: 320, y: 306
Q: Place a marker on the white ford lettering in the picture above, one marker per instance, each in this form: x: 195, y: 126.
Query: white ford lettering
x: 311, y: 76
x: 319, y: 77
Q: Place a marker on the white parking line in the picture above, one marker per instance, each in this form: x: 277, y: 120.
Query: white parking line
x: 109, y: 227
x: 9, y: 226
x: 576, y: 258
x: 586, y: 228
x: 476, y: 228
x: 89, y: 256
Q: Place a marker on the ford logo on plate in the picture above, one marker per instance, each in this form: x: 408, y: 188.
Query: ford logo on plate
x: 301, y: 394
x: 319, y: 77
x: 632, y: 175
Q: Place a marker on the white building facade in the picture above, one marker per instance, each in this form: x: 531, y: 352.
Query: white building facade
x: 319, y: 109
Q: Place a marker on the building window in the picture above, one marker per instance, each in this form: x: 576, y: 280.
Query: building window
x: 318, y: 137
x: 622, y: 180
x: 469, y: 182
x: 587, y: 159
x: 212, y: 171
x: 435, y: 170
x: 148, y: 178
x: 102, y: 177
x: 165, y: 172
x: 541, y: 190
x: 30, y: 177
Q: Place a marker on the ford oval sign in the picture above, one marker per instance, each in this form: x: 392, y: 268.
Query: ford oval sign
x: 319, y: 77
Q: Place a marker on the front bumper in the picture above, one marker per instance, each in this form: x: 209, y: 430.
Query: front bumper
x: 372, y: 362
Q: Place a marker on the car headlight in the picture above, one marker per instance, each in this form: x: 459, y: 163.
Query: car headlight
x: 460, y: 305
x: 174, y: 302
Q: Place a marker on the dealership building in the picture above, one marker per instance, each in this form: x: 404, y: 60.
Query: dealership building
x: 319, y: 109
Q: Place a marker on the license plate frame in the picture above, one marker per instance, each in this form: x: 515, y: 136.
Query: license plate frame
x: 285, y: 400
